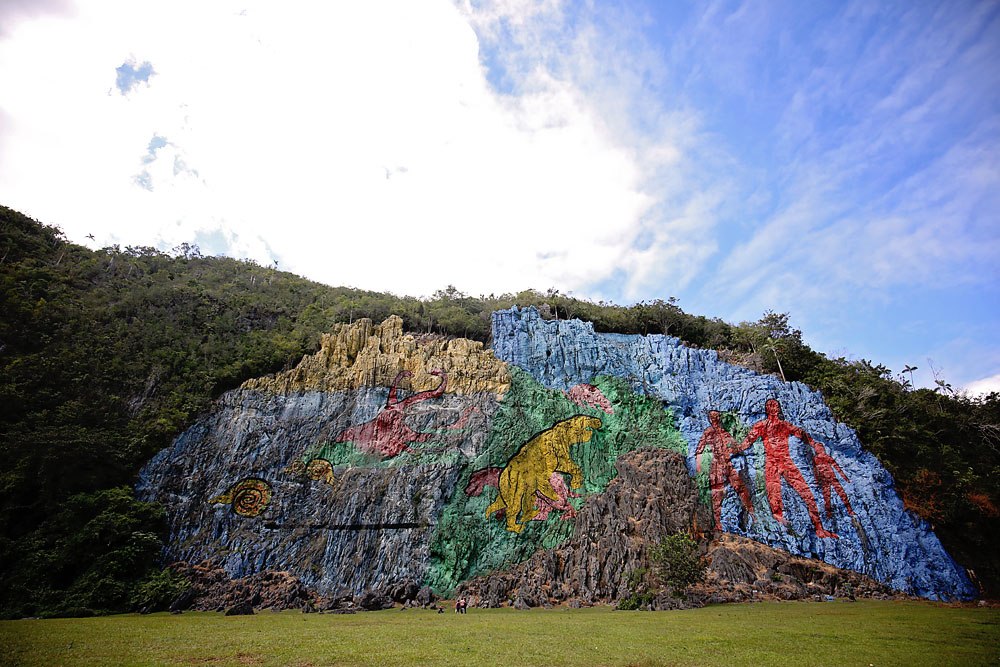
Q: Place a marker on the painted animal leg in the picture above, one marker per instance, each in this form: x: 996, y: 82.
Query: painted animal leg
x: 496, y: 505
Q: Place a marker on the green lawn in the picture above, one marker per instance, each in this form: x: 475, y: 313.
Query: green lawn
x: 790, y: 633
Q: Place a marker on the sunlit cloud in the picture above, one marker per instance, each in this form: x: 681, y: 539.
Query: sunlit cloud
x: 832, y: 160
x: 983, y: 386
x: 313, y: 129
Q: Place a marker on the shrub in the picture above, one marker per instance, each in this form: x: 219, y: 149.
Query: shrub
x: 676, y: 562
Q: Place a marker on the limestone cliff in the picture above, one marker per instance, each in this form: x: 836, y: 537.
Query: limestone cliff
x: 270, y: 480
x: 362, y: 354
x: 805, y: 476
x: 388, y: 458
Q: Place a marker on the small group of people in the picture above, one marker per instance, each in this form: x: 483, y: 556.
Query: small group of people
x: 461, y: 605
x: 774, y: 432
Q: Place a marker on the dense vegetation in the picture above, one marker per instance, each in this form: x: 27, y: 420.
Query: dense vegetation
x: 106, y: 355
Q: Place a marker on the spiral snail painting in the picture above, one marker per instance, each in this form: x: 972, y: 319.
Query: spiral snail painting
x: 247, y: 497
x: 320, y: 469
x: 317, y: 469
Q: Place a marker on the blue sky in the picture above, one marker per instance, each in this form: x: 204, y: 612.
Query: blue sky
x: 838, y: 161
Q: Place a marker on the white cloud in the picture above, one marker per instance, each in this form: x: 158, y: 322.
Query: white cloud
x: 360, y: 143
x: 984, y: 386
x: 15, y: 12
x: 886, y: 180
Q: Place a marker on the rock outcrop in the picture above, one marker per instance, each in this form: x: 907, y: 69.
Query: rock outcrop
x: 652, y: 497
x: 364, y: 354
x: 388, y: 466
x: 741, y: 570
x: 341, y: 515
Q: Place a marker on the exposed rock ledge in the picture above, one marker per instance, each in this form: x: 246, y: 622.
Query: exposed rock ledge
x: 364, y: 354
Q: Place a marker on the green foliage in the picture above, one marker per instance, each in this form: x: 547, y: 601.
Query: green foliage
x: 677, y: 563
x: 88, y: 554
x: 158, y: 590
x: 636, y: 600
x: 642, y: 590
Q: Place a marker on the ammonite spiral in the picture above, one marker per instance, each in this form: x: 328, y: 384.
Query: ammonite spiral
x: 320, y: 469
x: 247, y: 497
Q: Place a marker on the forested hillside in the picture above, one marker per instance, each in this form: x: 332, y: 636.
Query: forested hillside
x: 106, y: 355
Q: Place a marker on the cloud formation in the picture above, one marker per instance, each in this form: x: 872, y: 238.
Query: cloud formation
x: 833, y: 160
x: 130, y: 76
x: 363, y: 145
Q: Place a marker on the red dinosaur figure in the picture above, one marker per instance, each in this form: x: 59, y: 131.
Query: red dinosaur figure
x: 388, y: 435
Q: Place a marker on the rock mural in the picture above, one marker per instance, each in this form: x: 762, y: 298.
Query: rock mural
x: 784, y: 447
x: 721, y: 446
x: 388, y: 459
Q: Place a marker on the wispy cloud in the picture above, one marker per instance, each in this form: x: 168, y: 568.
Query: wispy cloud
x: 888, y: 177
x: 821, y: 158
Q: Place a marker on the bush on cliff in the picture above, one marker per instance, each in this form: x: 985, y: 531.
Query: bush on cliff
x: 677, y: 563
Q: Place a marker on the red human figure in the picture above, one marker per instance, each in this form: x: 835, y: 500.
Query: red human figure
x: 387, y: 434
x: 720, y: 443
x: 775, y: 431
x: 826, y: 475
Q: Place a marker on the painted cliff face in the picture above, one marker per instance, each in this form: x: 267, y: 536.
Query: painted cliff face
x: 388, y: 457
x: 775, y: 454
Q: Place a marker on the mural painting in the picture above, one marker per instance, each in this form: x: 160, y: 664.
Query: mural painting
x: 775, y: 432
x: 247, y: 497
x: 826, y: 470
x: 589, y: 396
x: 531, y: 484
x: 317, y: 469
x: 387, y: 435
x: 476, y: 532
x: 441, y: 485
x: 721, y: 444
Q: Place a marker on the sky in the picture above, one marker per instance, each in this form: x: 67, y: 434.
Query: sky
x: 839, y: 161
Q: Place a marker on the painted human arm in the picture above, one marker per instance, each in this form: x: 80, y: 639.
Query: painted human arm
x: 700, y: 449
x: 756, y: 433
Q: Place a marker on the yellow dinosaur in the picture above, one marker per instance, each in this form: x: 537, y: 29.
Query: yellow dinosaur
x: 528, y: 473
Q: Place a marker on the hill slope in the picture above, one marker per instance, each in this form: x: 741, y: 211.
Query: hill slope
x: 107, y: 355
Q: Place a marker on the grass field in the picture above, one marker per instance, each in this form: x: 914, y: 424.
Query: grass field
x: 790, y: 633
